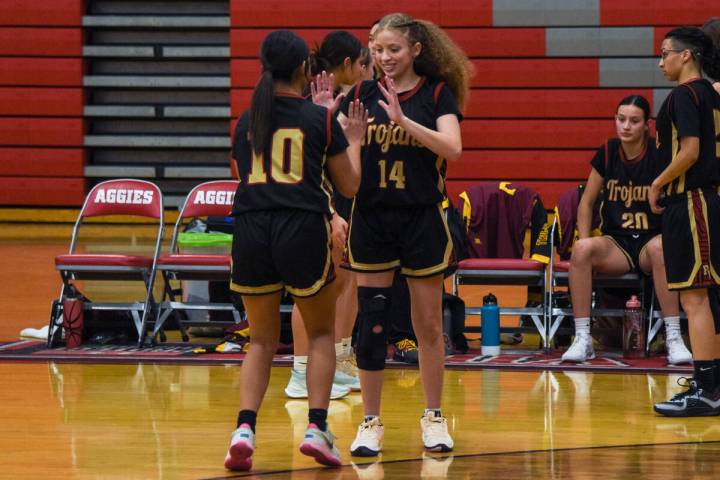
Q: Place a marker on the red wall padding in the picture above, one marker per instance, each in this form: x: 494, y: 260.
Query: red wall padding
x: 657, y: 12
x: 41, y: 162
x: 53, y: 72
x: 521, y: 164
x: 41, y: 102
x: 41, y: 12
x: 504, y: 73
x: 476, y: 42
x: 41, y: 42
x: 24, y: 131
x: 330, y: 13
x: 41, y: 191
x: 538, y: 134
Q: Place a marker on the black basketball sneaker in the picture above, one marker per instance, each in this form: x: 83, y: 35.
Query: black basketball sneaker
x: 694, y: 402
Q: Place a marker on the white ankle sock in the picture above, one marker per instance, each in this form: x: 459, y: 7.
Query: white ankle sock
x: 672, y: 324
x: 582, y: 325
x: 300, y: 363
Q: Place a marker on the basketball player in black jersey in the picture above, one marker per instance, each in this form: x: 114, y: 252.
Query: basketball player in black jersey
x: 284, y: 147
x: 688, y: 126
x: 622, y: 171
x: 397, y: 220
x: 337, y: 60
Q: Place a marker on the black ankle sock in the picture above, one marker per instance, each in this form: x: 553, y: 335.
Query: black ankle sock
x: 247, y: 416
x: 318, y: 416
x: 705, y: 374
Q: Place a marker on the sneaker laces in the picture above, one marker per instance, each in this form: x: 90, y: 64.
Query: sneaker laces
x: 369, y: 429
x: 436, y: 425
x: 406, y: 345
x: 688, y: 383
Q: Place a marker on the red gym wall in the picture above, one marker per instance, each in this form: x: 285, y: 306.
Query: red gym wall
x: 41, y: 102
x: 532, y: 118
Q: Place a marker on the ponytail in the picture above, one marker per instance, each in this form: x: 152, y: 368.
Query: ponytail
x: 281, y: 54
x: 332, y: 52
x: 261, y: 113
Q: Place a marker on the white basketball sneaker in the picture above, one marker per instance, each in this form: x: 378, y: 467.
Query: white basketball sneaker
x: 242, y: 446
x: 369, y: 439
x: 677, y: 351
x: 435, y: 433
x: 580, y: 350
x: 297, y: 387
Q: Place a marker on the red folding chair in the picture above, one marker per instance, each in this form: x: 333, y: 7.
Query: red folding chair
x: 213, y: 198
x: 111, y: 198
x: 498, y: 216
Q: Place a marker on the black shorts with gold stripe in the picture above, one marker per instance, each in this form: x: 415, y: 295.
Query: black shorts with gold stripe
x: 281, y: 249
x: 632, y: 247
x: 691, y: 239
x: 415, y: 239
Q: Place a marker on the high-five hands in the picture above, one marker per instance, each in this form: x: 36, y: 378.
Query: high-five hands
x: 392, y: 106
x: 322, y: 91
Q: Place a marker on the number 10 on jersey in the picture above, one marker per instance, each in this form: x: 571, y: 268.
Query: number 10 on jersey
x: 396, y: 174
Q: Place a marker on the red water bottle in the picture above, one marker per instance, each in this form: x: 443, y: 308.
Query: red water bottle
x: 73, y: 322
x: 633, y: 329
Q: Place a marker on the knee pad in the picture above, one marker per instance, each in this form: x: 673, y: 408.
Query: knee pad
x: 371, y: 344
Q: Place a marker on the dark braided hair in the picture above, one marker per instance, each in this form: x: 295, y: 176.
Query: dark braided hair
x: 701, y: 47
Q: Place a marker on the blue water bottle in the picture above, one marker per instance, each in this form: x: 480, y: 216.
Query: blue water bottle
x: 490, y: 314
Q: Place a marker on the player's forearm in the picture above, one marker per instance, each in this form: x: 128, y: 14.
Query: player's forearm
x: 680, y: 164
x: 447, y: 145
x: 584, y: 219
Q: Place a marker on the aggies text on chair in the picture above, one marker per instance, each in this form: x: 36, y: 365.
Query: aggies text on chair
x: 111, y: 198
x: 207, y: 199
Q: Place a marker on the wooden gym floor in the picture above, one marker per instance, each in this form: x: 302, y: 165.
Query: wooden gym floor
x: 166, y: 422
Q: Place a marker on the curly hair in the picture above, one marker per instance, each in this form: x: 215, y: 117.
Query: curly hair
x: 703, y: 48
x: 440, y: 57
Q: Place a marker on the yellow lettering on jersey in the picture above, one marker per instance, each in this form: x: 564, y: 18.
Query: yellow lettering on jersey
x: 287, y: 143
x: 505, y: 187
x: 257, y: 170
x: 397, y: 174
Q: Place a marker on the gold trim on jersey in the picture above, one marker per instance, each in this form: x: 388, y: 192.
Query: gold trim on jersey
x: 426, y: 272
x: 696, y: 247
x: 467, y: 210
x: 711, y: 267
x: 680, y: 188
x: 624, y: 252
x: 322, y: 281
x: 439, y: 162
x: 559, y: 224
x: 262, y: 290
x: 325, y: 184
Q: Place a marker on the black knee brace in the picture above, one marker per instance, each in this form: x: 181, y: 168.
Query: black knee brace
x: 371, y: 346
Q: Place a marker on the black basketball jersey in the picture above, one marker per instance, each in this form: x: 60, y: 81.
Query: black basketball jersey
x: 691, y: 110
x: 398, y: 170
x: 624, y: 207
x: 291, y: 172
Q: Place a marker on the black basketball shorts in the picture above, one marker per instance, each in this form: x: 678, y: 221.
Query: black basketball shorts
x: 281, y: 249
x: 414, y: 239
x: 632, y: 247
x: 691, y: 239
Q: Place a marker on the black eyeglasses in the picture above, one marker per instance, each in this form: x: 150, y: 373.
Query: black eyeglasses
x: 664, y: 54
